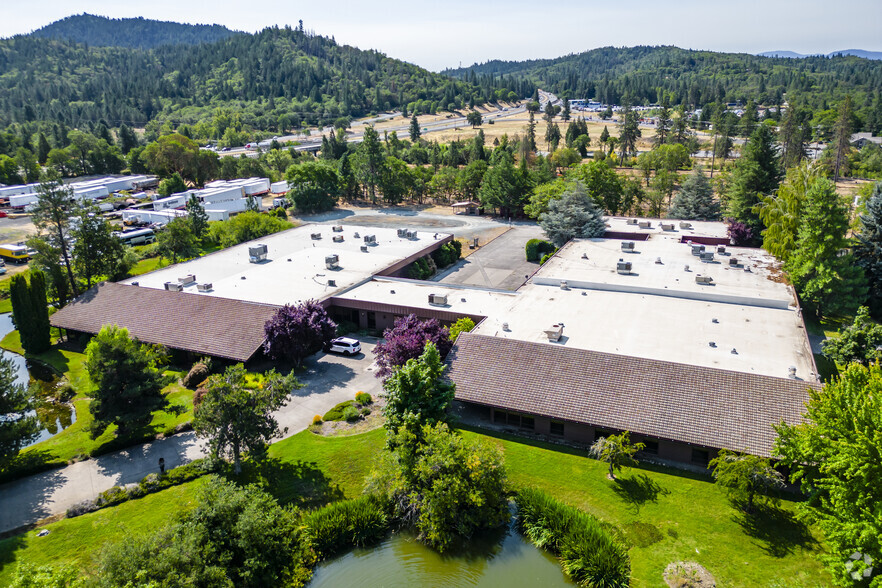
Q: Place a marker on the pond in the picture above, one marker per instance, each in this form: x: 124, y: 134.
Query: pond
x: 54, y: 416
x: 503, y: 558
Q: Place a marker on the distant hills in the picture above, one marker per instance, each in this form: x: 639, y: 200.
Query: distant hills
x: 844, y: 52
x: 134, y: 33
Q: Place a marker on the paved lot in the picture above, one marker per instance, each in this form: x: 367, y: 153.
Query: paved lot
x: 329, y: 380
x: 499, y: 264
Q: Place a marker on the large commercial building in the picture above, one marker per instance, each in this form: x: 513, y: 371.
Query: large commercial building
x: 660, y: 328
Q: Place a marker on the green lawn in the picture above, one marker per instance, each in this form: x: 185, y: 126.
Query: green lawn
x: 76, y: 441
x: 667, y: 515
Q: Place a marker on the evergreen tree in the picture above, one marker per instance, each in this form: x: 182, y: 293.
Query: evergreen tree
x: 43, y: 149
x: 680, y: 128
x: 756, y: 173
x: 663, y: 127
x: 748, y: 119
x: 197, y: 216
x: 14, y: 400
x: 41, y: 330
x: 368, y: 162
x: 414, y: 129
x: 52, y: 213
x: 573, y: 215
x: 552, y: 136
x: 565, y: 114
x: 695, y: 200
x: 868, y: 250
x: 23, y: 312
x: 629, y: 132
x: 842, y: 135
x: 531, y: 133
x: 782, y: 214
x: 828, y: 283
x: 503, y: 187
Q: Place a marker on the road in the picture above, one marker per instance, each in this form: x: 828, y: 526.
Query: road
x: 328, y: 380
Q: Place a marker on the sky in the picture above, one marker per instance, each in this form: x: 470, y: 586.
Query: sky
x: 437, y: 35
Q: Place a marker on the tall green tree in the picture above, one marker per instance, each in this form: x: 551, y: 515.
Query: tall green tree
x: 504, y: 187
x: 842, y: 134
x: 127, y: 139
x: 315, y: 186
x: 128, y: 384
x: 177, y: 241
x: 39, y: 307
x: 23, y: 312
x: 629, y: 131
x: 861, y: 341
x: 51, y: 215
x: 474, y: 118
x: 828, y: 282
x: 573, y: 215
x: 695, y: 200
x: 414, y: 129
x: 16, y: 429
x: 197, y: 217
x: 834, y: 456
x: 868, y: 249
x: 664, y: 123
x: 602, y: 183
x: 236, y: 418
x: 757, y: 173
x: 745, y: 477
x: 552, y: 136
x: 616, y: 451
x: 782, y: 214
x: 174, y: 184
x: 368, y: 162
x: 97, y: 251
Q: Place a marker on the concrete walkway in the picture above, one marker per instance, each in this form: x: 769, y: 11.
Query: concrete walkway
x: 329, y: 380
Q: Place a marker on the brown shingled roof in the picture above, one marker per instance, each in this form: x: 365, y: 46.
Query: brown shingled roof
x: 692, y: 404
x: 219, y: 327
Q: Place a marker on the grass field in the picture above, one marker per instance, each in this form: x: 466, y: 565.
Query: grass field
x: 76, y: 441
x: 666, y: 515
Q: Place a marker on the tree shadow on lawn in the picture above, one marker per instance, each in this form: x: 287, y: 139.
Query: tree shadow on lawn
x: 636, y: 490
x: 776, y: 530
x: 298, y: 483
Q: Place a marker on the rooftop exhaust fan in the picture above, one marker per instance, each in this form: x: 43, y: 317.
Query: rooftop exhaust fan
x: 257, y: 253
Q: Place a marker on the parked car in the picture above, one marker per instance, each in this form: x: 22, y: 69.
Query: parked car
x: 344, y: 345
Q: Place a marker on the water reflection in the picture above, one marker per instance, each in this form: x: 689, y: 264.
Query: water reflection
x: 500, y: 558
x: 51, y: 407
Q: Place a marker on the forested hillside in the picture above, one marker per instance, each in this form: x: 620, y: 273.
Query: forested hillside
x: 139, y: 33
x: 274, y: 80
x: 695, y: 78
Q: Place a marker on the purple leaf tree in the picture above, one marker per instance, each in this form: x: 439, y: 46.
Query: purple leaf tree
x: 407, y: 340
x: 296, y: 332
x: 740, y: 234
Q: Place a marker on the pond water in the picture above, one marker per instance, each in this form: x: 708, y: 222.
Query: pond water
x: 54, y: 416
x: 500, y: 559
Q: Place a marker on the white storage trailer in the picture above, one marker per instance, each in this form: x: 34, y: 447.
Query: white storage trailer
x: 279, y: 187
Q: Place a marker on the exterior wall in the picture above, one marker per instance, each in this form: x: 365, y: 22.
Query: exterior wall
x: 379, y: 316
x: 399, y: 270
x: 582, y: 434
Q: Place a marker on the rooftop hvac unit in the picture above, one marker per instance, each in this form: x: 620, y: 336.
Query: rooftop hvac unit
x: 644, y: 225
x: 315, y: 236
x: 402, y: 233
x: 206, y: 287
x: 332, y: 283
x: 707, y: 256
x: 629, y: 246
x: 173, y: 287
x: 699, y: 279
x: 370, y: 239
x: 555, y: 332
x: 697, y: 249
x: 337, y: 239
x: 187, y: 280
x: 356, y: 235
x: 623, y: 267
x: 257, y: 253
x: 438, y: 299
x: 332, y: 261
x: 632, y: 221
x: 733, y: 262
x: 364, y: 248
x: 411, y: 234
x: 667, y: 226
x: 721, y: 249
x: 684, y: 225
x: 337, y: 228
x: 564, y: 285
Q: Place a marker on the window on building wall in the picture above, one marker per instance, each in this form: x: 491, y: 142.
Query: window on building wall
x: 528, y: 423
x: 556, y: 428
x: 651, y: 447
x: 700, y: 457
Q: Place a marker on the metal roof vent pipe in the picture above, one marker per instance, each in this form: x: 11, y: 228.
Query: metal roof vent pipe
x: 564, y: 285
x: 505, y: 327
x: 791, y: 372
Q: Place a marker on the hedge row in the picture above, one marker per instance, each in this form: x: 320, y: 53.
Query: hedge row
x: 447, y: 254
x: 588, y: 552
x: 537, y: 248
x: 348, y: 523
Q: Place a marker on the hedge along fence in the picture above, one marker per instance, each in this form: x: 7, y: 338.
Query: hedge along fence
x: 588, y: 552
x: 348, y: 523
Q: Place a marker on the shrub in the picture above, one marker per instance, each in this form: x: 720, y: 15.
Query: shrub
x: 350, y: 413
x: 347, y: 523
x: 336, y: 413
x: 81, y: 508
x: 112, y: 496
x: 365, y: 411
x: 423, y: 268
x: 546, y: 257
x: 363, y: 398
x: 463, y: 325
x: 407, y: 340
x: 447, y: 254
x: 197, y: 374
x: 588, y: 552
x: 536, y: 248
x: 199, y: 395
x: 317, y: 419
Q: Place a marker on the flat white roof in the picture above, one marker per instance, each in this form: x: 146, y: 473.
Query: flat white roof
x: 295, y: 269
x: 415, y: 294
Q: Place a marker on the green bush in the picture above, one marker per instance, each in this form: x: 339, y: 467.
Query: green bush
x: 463, y: 325
x: 350, y: 413
x: 365, y: 411
x: 546, y: 257
x: 536, y: 248
x: 197, y: 374
x: 423, y: 268
x: 363, y: 398
x: 588, y: 552
x: 347, y: 523
x: 336, y: 413
x: 447, y: 254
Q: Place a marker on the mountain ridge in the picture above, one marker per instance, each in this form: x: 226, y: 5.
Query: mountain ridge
x: 875, y: 55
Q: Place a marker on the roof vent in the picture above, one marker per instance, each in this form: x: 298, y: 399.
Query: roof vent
x: 791, y: 372
x: 370, y: 239
x: 707, y: 256
x: 704, y: 280
x: 715, y: 321
x: 564, y: 285
x: 734, y: 351
x: 364, y: 248
x: 173, y: 287
x: 438, y: 299
x: 584, y: 256
x: 644, y: 225
x: 667, y: 226
x: 632, y: 221
x: 332, y: 261
x: 658, y: 261
x: 685, y: 225
x: 187, y: 280
x: 686, y: 268
x: 206, y: 287
x: 721, y: 249
x: 135, y: 284
x: 257, y: 253
x: 505, y: 327
x: 733, y: 262
x: 712, y: 344
x: 332, y: 283
x: 338, y: 238
x: 555, y: 332
x: 337, y: 228
x: 356, y: 235
x: 315, y: 236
